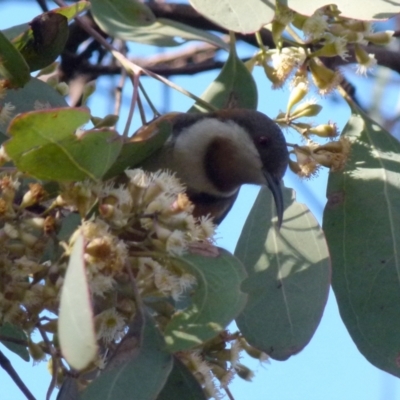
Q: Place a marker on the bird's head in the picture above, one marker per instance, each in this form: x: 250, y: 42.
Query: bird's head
x: 215, y: 153
x: 270, y: 143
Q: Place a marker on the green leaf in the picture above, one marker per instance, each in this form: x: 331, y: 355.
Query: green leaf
x: 14, y: 332
x: 362, y: 226
x: 134, y: 21
x: 181, y: 384
x: 377, y: 9
x: 44, y: 145
x: 69, y: 224
x: 13, y: 67
x: 141, y: 374
x: 116, y: 16
x: 289, y: 276
x: 237, y: 15
x: 234, y: 87
x: 140, y: 148
x: 75, y: 323
x: 34, y: 95
x: 216, y: 301
x: 44, y: 41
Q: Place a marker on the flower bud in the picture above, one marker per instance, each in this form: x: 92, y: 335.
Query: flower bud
x: 324, y: 78
x: 62, y: 88
x: 324, y: 130
x: 380, y: 38
x: 296, y: 95
x: 244, y: 372
x: 306, y: 110
x: 34, y: 195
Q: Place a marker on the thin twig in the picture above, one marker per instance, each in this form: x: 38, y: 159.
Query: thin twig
x: 141, y: 109
x: 134, y: 98
x: 54, y: 364
x: 6, y: 365
x: 229, y: 394
x: 149, y: 102
x: 118, y: 93
x: 134, y: 69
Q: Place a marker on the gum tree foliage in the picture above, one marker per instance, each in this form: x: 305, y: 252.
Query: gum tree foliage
x: 124, y: 286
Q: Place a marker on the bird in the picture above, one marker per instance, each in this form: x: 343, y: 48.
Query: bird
x: 215, y: 153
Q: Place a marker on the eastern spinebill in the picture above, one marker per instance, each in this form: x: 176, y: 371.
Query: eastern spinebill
x: 215, y: 153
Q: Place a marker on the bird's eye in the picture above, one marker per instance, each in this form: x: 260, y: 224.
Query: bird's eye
x: 263, y: 140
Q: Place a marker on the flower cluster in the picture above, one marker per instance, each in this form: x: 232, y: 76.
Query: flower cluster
x: 134, y: 228
x: 325, y: 34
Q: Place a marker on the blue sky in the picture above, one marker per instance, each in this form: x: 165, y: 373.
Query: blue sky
x: 330, y: 367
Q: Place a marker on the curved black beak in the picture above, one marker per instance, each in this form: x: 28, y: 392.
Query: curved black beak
x: 276, y: 190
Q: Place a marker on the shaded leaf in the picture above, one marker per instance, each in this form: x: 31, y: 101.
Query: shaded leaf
x: 34, y: 95
x: 134, y: 21
x: 234, y: 87
x: 13, y: 67
x: 143, y: 144
x: 143, y: 372
x: 44, y: 41
x: 362, y: 226
x: 181, y: 384
x: 44, y: 145
x: 69, y: 224
x: 377, y: 9
x: 14, y: 332
x: 237, y: 15
x: 75, y: 323
x: 289, y: 276
x: 216, y: 301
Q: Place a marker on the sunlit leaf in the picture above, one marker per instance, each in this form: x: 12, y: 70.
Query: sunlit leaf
x: 13, y: 67
x: 234, y: 87
x: 237, y: 15
x: 289, y: 276
x: 44, y: 145
x: 14, y: 332
x: 362, y: 226
x: 141, y: 370
x: 216, y: 301
x: 358, y: 9
x: 134, y: 21
x: 75, y: 323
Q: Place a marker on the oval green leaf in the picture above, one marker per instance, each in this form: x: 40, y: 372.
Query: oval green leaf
x: 216, y: 301
x: 44, y: 145
x: 358, y: 9
x: 289, y: 276
x: 14, y: 332
x: 75, y: 322
x: 237, y: 15
x: 362, y: 226
x: 13, y: 66
x: 141, y: 375
x: 234, y: 87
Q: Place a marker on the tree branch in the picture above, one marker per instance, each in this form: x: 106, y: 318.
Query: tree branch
x: 7, y: 366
